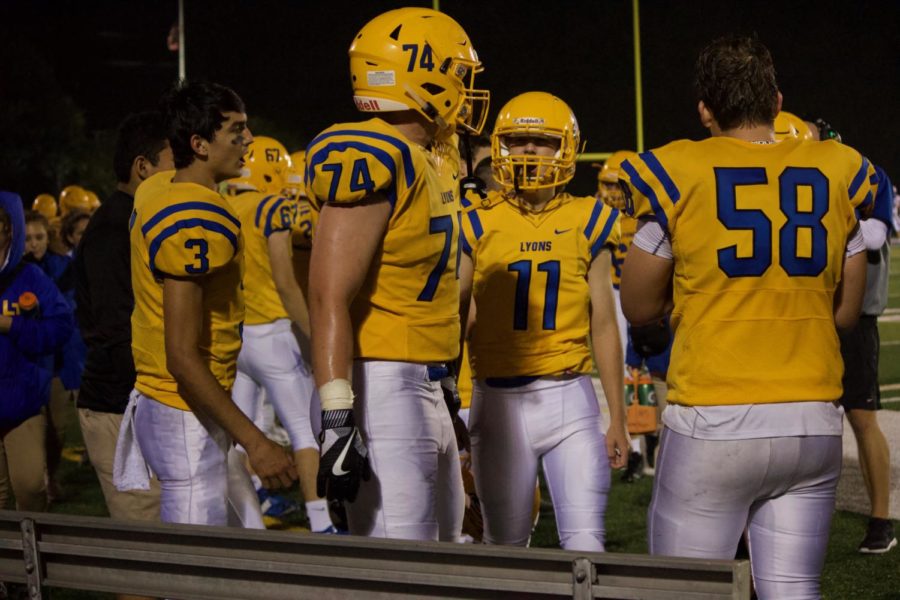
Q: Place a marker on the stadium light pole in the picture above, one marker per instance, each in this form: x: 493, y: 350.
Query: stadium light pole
x: 638, y: 89
x: 181, y: 69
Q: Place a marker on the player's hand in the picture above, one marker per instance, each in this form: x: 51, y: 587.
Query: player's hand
x: 451, y: 398
x: 343, y: 461
x: 273, y: 464
x: 617, y: 446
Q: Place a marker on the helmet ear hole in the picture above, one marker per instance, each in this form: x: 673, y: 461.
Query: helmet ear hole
x: 432, y: 88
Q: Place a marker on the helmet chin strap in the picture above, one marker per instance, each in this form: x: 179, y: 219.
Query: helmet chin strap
x: 471, y: 181
x: 427, y: 108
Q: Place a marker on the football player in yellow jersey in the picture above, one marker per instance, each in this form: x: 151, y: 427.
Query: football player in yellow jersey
x: 384, y: 293
x: 610, y: 193
x: 271, y: 357
x: 186, y: 266
x: 537, y: 263
x: 754, y: 246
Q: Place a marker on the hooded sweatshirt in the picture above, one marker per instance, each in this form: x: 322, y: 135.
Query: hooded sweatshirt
x: 26, y: 350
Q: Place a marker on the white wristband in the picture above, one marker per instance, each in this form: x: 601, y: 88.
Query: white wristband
x: 337, y: 394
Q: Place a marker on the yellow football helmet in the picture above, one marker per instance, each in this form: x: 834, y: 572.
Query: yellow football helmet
x: 72, y: 198
x: 293, y: 183
x: 608, y: 189
x: 789, y: 125
x: 534, y: 114
x: 265, y: 167
x: 93, y: 201
x: 419, y: 59
x: 45, y: 204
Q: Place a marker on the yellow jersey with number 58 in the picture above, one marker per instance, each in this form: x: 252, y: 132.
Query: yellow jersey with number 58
x: 184, y: 230
x: 758, y: 234
x: 261, y: 215
x: 408, y: 306
x: 530, y: 283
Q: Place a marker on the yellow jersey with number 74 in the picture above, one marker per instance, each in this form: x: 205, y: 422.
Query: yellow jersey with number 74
x: 408, y: 306
x: 184, y: 230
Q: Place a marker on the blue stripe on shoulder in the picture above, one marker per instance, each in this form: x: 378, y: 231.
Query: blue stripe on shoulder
x: 181, y: 206
x: 475, y: 221
x: 383, y: 157
x: 174, y: 228
x: 132, y: 219
x: 465, y: 202
x: 408, y: 169
x: 268, y: 229
x: 259, y: 209
x: 592, y: 221
x: 641, y: 186
x: 597, y: 246
x: 859, y: 178
x: 660, y: 173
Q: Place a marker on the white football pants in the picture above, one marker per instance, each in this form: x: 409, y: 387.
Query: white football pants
x: 270, y: 359
x: 557, y: 421
x: 416, y: 489
x: 202, y: 480
x: 782, y: 490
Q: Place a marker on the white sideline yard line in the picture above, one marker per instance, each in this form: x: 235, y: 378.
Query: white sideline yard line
x: 891, y: 387
x: 893, y: 343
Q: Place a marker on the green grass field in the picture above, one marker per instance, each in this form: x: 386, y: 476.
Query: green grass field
x: 848, y: 575
x: 889, y: 329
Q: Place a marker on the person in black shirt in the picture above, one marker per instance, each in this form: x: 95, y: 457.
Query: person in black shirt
x: 104, y: 301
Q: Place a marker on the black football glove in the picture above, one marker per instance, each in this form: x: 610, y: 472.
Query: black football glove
x: 451, y: 398
x: 343, y: 461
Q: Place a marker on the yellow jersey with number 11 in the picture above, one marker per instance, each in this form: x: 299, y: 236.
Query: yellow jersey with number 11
x: 758, y: 233
x: 530, y: 284
x: 184, y: 230
x: 408, y: 306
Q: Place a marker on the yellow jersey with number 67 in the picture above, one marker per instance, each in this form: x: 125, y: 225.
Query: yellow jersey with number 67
x: 408, y: 306
x: 530, y: 283
x: 627, y: 228
x: 261, y: 215
x: 758, y: 234
x: 184, y: 230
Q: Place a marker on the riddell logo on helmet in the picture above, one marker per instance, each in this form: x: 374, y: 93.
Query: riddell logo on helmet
x: 367, y: 105
x: 528, y: 121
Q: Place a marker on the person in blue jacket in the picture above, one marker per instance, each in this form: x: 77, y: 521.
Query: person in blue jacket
x: 35, y: 321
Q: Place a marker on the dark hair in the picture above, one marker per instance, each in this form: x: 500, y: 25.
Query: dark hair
x: 476, y: 142
x: 735, y: 79
x: 140, y: 134
x: 69, y: 222
x: 36, y: 217
x: 195, y: 108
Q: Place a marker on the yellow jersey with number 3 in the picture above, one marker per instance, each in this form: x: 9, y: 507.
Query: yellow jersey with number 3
x: 184, y: 230
x: 530, y: 283
x: 408, y: 306
x: 758, y: 233
x: 261, y: 215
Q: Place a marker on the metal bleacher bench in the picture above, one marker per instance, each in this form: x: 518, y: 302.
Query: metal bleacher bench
x: 187, y: 561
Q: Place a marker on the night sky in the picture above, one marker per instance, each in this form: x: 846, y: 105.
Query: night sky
x: 288, y: 60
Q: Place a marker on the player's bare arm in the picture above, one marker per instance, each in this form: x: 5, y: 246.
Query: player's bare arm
x: 607, y: 349
x: 848, y: 298
x: 645, y: 286
x: 183, y: 318
x: 288, y: 288
x: 466, y: 301
x: 346, y: 241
